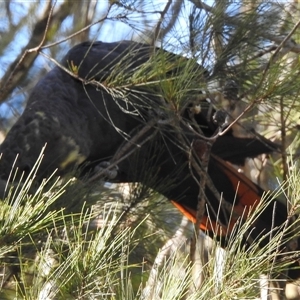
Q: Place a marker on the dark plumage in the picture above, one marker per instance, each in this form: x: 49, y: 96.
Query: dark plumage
x: 83, y: 123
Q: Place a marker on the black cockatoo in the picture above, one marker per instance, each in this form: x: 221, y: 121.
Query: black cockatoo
x: 84, y: 117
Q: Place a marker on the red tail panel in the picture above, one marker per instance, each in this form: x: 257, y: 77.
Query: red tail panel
x: 248, y: 196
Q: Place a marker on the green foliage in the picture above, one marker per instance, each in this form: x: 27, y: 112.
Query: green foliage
x: 63, y: 256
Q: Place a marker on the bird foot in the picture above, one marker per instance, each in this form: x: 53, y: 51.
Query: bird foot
x: 108, y: 171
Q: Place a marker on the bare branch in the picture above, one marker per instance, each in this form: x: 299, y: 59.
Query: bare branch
x: 18, y: 69
x: 168, y: 248
x: 175, y: 12
x: 158, y: 26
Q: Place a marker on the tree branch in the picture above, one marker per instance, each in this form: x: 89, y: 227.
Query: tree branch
x: 19, y: 68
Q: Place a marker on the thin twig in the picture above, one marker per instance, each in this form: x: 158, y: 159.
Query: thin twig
x: 134, y: 140
x: 158, y: 26
x: 124, y: 152
x: 75, y: 33
x: 283, y: 140
x: 171, y: 246
x: 37, y: 49
x: 276, y: 52
x: 197, y: 249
